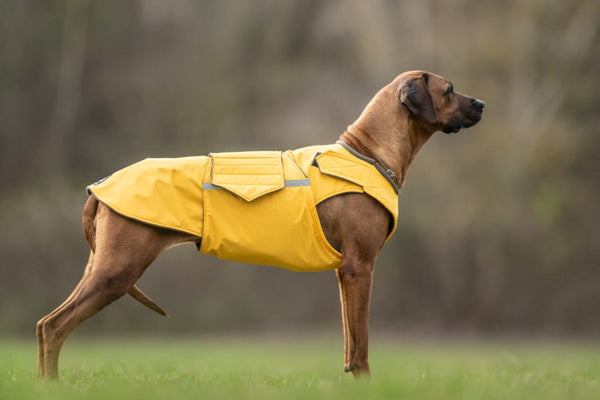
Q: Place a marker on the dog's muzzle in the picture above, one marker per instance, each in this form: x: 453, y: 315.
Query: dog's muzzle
x: 471, y: 117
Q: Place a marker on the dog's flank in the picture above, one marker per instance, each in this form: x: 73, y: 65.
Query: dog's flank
x: 395, y: 124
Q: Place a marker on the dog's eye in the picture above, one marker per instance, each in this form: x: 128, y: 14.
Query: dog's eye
x: 450, y: 89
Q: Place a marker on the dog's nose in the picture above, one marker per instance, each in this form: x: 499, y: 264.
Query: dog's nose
x: 480, y: 105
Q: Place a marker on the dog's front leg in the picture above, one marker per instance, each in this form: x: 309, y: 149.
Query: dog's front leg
x: 355, y: 280
x: 339, y: 275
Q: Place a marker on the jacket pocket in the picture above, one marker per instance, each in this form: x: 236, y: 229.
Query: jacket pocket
x: 248, y: 175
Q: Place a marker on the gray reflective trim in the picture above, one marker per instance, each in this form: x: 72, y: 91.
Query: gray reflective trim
x: 297, y: 182
x: 290, y: 183
x: 356, y: 153
x: 387, y: 175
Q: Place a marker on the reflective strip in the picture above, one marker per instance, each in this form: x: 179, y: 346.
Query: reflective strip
x: 290, y: 183
x: 210, y: 186
x: 356, y: 153
x: 297, y: 182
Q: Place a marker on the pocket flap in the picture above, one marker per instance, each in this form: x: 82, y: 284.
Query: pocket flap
x: 248, y: 175
x: 343, y: 166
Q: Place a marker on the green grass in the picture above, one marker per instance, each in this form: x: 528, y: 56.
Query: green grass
x: 302, y: 369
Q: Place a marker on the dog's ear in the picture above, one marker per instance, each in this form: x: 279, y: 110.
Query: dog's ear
x: 414, y: 94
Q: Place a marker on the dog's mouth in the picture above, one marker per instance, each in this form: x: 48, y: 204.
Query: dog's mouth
x: 451, y: 129
x: 456, y: 126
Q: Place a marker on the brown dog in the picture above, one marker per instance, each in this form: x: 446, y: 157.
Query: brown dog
x: 392, y: 128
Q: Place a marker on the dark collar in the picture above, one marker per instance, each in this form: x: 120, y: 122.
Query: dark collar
x: 383, y: 169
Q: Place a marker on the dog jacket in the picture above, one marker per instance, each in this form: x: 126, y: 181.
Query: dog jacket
x: 254, y: 207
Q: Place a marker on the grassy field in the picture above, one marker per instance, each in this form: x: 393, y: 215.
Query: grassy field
x: 303, y: 369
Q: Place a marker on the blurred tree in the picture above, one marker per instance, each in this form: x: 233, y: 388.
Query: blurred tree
x: 498, y: 228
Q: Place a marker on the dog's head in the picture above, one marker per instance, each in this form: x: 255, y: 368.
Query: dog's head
x: 433, y: 99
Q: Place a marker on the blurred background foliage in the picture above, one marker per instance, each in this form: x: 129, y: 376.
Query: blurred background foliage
x: 498, y: 232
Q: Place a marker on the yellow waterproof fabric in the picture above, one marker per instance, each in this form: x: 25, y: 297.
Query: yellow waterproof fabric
x: 280, y: 227
x: 256, y: 207
x: 165, y: 192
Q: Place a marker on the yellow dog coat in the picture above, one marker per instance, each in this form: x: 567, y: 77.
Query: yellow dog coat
x: 255, y: 207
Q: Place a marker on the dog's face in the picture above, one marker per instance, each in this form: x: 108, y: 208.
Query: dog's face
x: 433, y: 99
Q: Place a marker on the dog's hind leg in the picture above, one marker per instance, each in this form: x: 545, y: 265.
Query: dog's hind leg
x: 40, y: 324
x: 95, y: 292
x: 89, y: 214
x: 123, y: 250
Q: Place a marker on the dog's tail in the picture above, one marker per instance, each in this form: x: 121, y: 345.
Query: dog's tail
x: 89, y: 229
x: 137, y: 294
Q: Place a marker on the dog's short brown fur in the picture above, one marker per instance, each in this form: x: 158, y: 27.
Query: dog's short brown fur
x: 392, y: 128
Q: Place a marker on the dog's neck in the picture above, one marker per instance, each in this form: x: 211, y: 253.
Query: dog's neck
x: 351, y: 138
x: 395, y: 149
x: 386, y: 128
